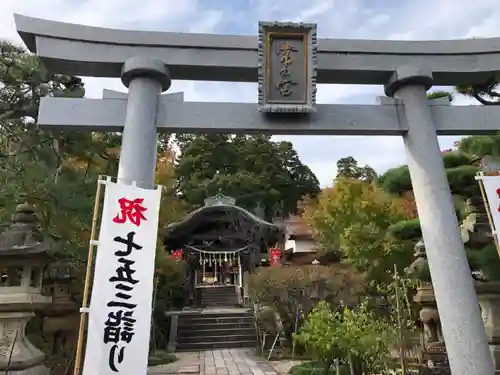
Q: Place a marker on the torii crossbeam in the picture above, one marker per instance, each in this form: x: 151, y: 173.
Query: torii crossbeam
x: 177, y: 116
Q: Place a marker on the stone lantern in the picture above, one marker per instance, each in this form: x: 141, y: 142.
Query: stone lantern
x: 24, y: 253
x: 434, y: 359
x: 61, y: 317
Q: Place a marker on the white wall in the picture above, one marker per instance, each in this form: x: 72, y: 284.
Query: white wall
x: 300, y: 246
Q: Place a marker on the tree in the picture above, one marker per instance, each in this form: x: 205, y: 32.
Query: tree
x: 485, y: 93
x: 252, y: 168
x: 348, y: 168
x: 351, y: 219
x: 480, y: 145
x: 172, y: 207
x: 57, y: 170
x: 440, y: 94
x: 54, y: 170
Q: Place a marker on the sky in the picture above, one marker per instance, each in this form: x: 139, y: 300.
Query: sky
x: 349, y: 19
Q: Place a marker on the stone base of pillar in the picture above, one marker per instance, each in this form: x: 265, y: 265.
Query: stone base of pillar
x: 18, y: 356
x: 239, y: 294
x: 495, y: 353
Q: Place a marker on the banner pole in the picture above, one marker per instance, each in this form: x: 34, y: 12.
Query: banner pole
x: 479, y: 178
x: 86, y: 287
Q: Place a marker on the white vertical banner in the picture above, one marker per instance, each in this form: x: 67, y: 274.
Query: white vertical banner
x: 120, y: 308
x: 492, y: 190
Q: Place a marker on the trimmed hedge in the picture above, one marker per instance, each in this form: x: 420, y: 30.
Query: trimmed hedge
x: 456, y: 159
x: 462, y: 180
x: 406, y: 230
x: 396, y: 180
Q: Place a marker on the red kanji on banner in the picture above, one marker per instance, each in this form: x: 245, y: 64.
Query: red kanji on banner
x: 131, y: 210
x: 498, y: 195
x: 274, y: 257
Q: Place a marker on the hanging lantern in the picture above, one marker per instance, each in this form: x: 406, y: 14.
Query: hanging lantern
x: 274, y: 257
x: 176, y: 254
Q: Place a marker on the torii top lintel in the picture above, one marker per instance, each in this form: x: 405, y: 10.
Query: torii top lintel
x: 100, y: 52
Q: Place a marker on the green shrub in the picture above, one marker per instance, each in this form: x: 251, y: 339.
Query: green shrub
x: 456, y: 159
x: 169, y: 294
x: 332, y: 332
x: 396, y: 180
x: 486, y: 260
x: 170, y: 275
x: 462, y: 180
x: 410, y: 229
x: 406, y: 230
x: 476, y: 260
x: 315, y: 368
x: 461, y: 176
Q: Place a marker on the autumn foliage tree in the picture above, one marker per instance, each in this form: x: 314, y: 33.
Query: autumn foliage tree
x: 351, y: 220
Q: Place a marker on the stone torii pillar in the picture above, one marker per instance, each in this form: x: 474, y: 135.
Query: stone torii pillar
x: 146, y: 78
x: 458, y: 306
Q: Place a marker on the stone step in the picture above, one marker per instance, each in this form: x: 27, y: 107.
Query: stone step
x: 219, y: 289
x: 220, y: 303
x: 216, y: 338
x: 215, y: 331
x: 211, y: 326
x: 219, y: 297
x: 228, y: 289
x: 237, y: 324
x: 217, y: 313
x: 214, y: 319
x: 226, y: 329
x: 230, y: 292
x: 200, y: 346
x: 229, y: 301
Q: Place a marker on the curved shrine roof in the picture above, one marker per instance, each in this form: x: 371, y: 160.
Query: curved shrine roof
x: 213, y: 214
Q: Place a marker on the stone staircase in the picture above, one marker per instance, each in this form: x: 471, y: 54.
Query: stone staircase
x: 216, y: 329
x: 219, y: 296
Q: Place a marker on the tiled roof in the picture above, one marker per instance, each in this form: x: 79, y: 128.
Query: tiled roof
x: 296, y: 226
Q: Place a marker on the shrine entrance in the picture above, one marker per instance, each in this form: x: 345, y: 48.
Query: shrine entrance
x: 222, y: 244
x: 219, y: 268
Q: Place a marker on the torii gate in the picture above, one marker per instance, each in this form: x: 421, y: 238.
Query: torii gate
x: 287, y: 61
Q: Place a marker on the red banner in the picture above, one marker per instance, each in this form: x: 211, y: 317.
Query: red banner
x: 274, y: 257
